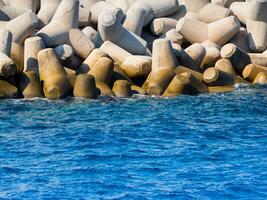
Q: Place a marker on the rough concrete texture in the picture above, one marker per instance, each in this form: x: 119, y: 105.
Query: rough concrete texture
x: 90, y: 48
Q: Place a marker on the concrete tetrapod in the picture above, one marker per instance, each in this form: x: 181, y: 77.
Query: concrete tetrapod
x: 257, y: 35
x: 209, y: 44
x: 251, y: 71
x: 150, y: 38
x: 57, y: 87
x: 137, y: 66
x: 211, y: 13
x: 254, y: 15
x: 159, y: 8
x: 184, y: 12
x: 108, y: 24
x: 64, y: 53
x: 122, y: 88
x: 5, y: 41
x: 181, y: 84
x: 192, y: 30
x: 163, y: 65
x: 195, y: 5
x: 88, y: 63
x: 212, y: 55
x: 116, y: 53
x: 17, y: 55
x: 30, y: 85
x: 174, y: 37
x: 70, y: 71
x: 138, y: 90
x: 134, y: 66
x: 197, y: 53
x: 192, y: 15
x: 180, y: 13
x: 47, y: 11
x: 219, y: 32
x: 65, y: 18
x: 32, y: 46
x: 258, y: 10
x: 101, y: 67
x: 22, y: 27
x: 53, y: 75
x: 197, y: 84
x: 81, y: 44
x: 221, y: 89
x: 119, y: 74
x: 211, y: 76
x: 7, y: 66
x: 241, y: 40
x: 84, y: 17
x: 250, y: 10
x: 162, y: 8
x: 93, y: 35
x: 72, y: 79
x: 163, y: 56
x: 224, y: 3
x: 178, y: 86
x: 258, y: 59
x: 241, y: 10
x: 197, y: 79
x: 102, y: 70
x: 181, y: 69
x: 138, y: 16
x: 99, y: 7
x: 85, y: 87
x: 88, y: 3
x: 161, y: 26
x: 7, y: 90
x: 226, y: 66
x: 193, y: 56
x: 158, y: 80
x: 49, y: 64
x: 104, y: 90
x: 239, y: 58
x: 261, y: 79
x: 25, y: 4
x: 124, y: 5
x: 89, y: 32
x: 8, y: 12
x: 216, y: 77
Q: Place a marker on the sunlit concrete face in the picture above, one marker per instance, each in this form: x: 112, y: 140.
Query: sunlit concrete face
x: 90, y: 48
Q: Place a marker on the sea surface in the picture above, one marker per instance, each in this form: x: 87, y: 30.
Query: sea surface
x: 211, y: 146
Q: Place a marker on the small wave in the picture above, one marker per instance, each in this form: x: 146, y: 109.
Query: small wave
x: 243, y: 86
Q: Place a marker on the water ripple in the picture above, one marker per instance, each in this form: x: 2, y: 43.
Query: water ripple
x: 211, y: 146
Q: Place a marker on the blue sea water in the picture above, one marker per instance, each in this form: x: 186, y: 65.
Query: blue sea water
x: 211, y: 146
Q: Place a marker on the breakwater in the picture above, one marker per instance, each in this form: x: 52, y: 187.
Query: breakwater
x: 56, y: 49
